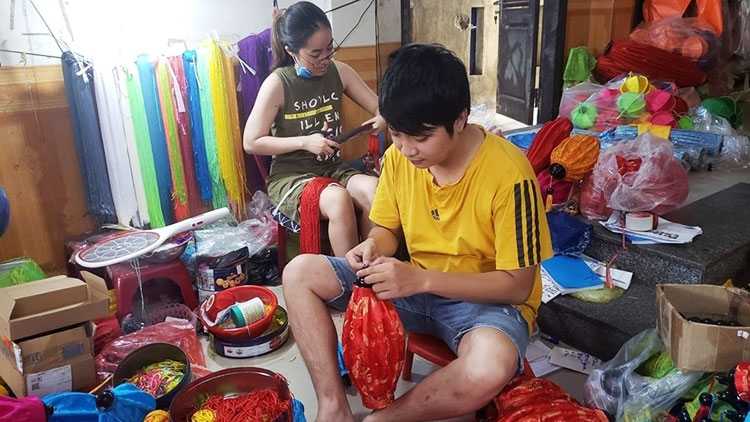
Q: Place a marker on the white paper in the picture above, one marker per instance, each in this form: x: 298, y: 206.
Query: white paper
x: 574, y: 360
x: 537, y: 353
x: 619, y: 277
x: 549, y: 288
x: 665, y: 232
x: 55, y: 380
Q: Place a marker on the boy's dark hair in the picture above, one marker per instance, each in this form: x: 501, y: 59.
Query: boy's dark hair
x: 423, y: 86
x: 292, y: 27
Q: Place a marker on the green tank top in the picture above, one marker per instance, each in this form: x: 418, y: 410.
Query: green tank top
x: 308, y: 103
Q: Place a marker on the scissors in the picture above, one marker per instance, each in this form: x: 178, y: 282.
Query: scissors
x: 340, y: 139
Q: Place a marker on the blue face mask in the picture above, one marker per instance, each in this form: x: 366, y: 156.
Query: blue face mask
x: 302, y: 71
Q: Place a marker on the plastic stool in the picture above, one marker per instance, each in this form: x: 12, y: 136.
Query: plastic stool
x: 435, y: 351
x: 125, y: 282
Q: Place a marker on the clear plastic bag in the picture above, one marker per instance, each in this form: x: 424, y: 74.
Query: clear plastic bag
x: 619, y: 390
x: 256, y: 233
x: 688, y: 37
x: 624, y: 100
x: 635, y: 175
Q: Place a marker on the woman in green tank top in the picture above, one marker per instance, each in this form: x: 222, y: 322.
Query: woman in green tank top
x: 304, y: 95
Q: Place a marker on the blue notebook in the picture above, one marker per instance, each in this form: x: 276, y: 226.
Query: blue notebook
x: 571, y: 274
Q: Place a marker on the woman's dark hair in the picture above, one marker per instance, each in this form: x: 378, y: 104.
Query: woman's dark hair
x: 292, y: 27
x: 423, y: 86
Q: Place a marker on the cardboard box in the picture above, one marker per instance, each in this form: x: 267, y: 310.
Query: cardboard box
x: 46, y: 334
x: 52, y: 363
x: 704, y: 347
x: 46, y: 305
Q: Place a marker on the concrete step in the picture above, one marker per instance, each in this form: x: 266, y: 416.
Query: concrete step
x: 721, y: 252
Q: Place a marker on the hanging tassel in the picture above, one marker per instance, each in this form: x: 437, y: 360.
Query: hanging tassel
x: 196, y: 126
x: 143, y: 147
x: 91, y: 158
x: 224, y: 141
x: 548, y: 200
x: 179, y: 91
x: 234, y: 119
x: 179, y: 191
x: 156, y: 134
x: 115, y: 151
x: 209, y: 131
x: 121, y: 83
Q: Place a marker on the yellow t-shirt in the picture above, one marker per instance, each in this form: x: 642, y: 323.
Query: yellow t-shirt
x: 492, y: 218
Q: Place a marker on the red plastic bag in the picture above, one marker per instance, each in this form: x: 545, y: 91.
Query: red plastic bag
x: 636, y: 175
x: 181, y: 334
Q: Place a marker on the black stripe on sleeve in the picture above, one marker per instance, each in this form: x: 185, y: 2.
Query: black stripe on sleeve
x: 529, y: 232
x: 536, y: 226
x: 519, y: 225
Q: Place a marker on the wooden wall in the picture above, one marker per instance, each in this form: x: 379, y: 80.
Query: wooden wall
x: 593, y: 23
x: 39, y: 167
x: 39, y: 164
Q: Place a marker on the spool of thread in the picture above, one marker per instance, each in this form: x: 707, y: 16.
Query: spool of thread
x: 245, y: 313
x: 641, y: 221
x: 203, y: 415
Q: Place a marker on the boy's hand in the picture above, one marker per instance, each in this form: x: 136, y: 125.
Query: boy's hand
x: 391, y: 278
x: 362, y: 255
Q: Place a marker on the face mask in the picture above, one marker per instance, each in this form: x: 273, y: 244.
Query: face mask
x: 302, y: 71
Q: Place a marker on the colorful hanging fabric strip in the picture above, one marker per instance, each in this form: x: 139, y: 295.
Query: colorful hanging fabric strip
x: 91, y: 158
x: 224, y: 140
x: 179, y: 93
x: 209, y: 131
x: 143, y: 145
x: 196, y: 126
x: 230, y: 87
x: 121, y: 83
x: 156, y: 134
x: 115, y: 150
x: 179, y: 193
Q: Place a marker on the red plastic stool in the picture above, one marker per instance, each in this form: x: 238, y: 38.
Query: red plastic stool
x: 435, y: 351
x: 125, y: 282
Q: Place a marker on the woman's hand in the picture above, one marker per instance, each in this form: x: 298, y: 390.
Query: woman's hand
x: 320, y: 145
x: 378, y: 123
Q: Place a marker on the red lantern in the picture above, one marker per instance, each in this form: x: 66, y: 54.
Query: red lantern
x: 374, y: 346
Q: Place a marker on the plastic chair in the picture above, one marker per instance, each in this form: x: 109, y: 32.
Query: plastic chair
x: 435, y: 351
x: 125, y: 282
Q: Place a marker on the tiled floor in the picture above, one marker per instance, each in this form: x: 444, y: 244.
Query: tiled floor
x: 288, y: 361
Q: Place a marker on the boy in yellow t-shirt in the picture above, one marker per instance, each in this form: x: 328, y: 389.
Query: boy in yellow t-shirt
x: 468, y: 206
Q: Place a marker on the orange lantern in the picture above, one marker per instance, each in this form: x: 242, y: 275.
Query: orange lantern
x: 572, y: 159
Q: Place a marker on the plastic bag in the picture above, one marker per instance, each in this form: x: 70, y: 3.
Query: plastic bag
x: 635, y: 175
x: 619, y: 390
x: 625, y: 99
x: 180, y: 334
x: 255, y: 233
x: 487, y: 118
x: 688, y: 37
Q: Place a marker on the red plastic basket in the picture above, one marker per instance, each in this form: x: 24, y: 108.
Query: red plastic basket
x: 226, y: 298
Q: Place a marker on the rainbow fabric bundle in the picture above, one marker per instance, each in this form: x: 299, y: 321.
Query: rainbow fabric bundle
x: 170, y: 131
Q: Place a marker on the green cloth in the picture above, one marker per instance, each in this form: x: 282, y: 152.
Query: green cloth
x: 19, y: 271
x: 579, y: 66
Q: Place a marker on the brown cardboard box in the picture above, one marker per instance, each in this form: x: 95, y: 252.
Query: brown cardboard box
x: 46, y: 305
x: 704, y: 347
x: 46, y: 334
x: 56, y: 362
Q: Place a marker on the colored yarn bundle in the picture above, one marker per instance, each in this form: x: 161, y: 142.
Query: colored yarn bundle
x: 258, y: 406
x: 159, y: 378
x: 630, y: 56
x: 310, y: 214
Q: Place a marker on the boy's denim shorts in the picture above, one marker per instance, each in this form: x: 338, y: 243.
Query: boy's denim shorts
x: 437, y: 316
